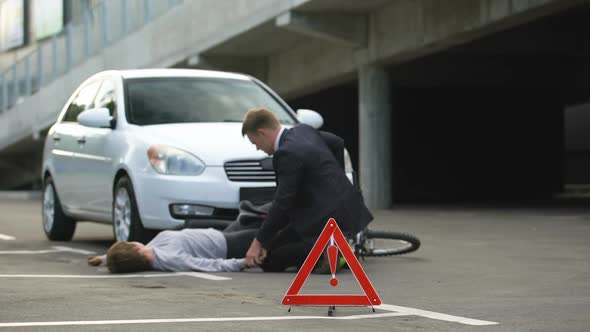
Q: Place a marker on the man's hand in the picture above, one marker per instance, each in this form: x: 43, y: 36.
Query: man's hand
x: 94, y: 260
x: 256, y: 254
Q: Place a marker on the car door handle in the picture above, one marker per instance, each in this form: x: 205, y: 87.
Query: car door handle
x: 56, y: 138
x: 82, y: 140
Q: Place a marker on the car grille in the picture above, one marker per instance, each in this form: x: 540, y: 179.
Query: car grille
x: 250, y: 170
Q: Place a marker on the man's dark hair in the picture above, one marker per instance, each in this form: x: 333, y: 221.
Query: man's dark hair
x: 259, y: 118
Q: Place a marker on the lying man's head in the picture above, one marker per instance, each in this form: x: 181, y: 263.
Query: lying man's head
x: 126, y: 257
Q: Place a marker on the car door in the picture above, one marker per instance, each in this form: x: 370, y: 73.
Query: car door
x: 68, y: 173
x: 62, y: 147
x: 96, y: 158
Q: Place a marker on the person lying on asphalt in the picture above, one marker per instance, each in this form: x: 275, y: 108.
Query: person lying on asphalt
x: 205, y: 250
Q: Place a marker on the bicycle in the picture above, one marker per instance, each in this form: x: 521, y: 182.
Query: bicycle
x: 367, y: 243
x: 372, y: 243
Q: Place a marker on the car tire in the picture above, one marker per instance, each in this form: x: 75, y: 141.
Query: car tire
x: 127, y: 225
x: 56, y: 224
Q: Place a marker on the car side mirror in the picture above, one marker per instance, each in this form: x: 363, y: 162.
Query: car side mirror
x: 96, y: 118
x: 310, y: 117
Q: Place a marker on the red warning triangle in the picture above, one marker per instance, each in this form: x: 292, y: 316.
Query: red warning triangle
x: 292, y: 297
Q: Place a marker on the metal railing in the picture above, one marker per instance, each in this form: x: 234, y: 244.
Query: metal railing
x: 108, y: 22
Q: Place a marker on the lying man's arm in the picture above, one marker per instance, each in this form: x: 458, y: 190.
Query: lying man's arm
x: 97, y: 260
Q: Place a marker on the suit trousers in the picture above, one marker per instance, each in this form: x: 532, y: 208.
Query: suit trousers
x: 286, y: 250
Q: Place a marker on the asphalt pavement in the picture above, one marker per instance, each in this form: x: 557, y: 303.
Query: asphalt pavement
x: 487, y: 268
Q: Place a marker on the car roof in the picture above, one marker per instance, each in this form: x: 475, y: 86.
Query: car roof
x: 173, y: 72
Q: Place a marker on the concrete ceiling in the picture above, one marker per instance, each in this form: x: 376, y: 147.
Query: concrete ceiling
x: 267, y: 39
x: 342, y: 6
x: 262, y: 40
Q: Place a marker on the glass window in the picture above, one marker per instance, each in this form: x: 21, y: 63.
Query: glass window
x: 82, y: 102
x: 176, y: 100
x: 106, y: 97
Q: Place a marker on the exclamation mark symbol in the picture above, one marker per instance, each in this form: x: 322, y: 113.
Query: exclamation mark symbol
x: 332, y: 259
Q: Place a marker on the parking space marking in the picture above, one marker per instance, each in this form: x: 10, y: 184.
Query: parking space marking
x: 393, y: 311
x: 46, y: 251
x: 204, y: 275
x: 7, y: 237
x: 78, y: 251
x: 434, y: 315
x: 115, y: 276
x: 197, y: 320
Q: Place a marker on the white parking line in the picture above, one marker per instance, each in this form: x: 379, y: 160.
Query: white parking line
x: 434, y: 315
x: 26, y: 252
x: 394, y: 311
x: 78, y: 251
x: 46, y: 251
x: 195, y: 320
x: 204, y: 275
x: 116, y: 276
x: 7, y: 237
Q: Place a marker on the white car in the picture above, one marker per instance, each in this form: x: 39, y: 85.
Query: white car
x: 147, y: 149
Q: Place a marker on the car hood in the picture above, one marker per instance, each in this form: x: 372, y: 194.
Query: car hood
x: 213, y: 143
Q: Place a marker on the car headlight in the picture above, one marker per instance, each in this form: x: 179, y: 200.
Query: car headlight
x: 172, y: 161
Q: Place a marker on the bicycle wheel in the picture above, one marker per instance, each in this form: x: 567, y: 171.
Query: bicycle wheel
x: 381, y: 243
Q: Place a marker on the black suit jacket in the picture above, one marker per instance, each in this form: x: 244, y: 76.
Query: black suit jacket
x: 312, y: 187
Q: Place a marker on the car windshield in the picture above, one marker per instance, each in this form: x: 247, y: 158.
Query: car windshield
x: 197, y: 99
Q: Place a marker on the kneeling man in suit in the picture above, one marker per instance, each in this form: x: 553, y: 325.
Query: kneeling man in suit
x: 311, y: 188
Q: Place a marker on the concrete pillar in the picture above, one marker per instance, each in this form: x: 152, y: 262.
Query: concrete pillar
x: 375, y: 151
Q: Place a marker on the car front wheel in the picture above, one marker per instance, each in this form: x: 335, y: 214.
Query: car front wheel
x: 57, y: 226
x: 127, y: 224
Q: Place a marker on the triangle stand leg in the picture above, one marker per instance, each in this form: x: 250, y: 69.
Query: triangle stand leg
x: 331, y: 310
x: 371, y: 304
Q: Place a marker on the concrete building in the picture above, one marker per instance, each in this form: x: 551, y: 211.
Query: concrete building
x: 437, y: 100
